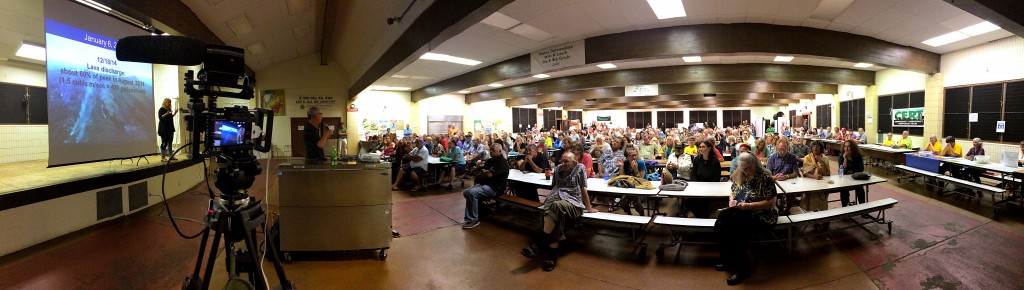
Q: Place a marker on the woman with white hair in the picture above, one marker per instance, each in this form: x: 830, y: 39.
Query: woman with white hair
x: 752, y: 209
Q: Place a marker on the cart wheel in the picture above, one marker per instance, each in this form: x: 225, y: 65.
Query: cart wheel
x: 643, y: 252
x: 382, y: 254
x: 890, y: 227
x: 660, y: 253
x: 287, y: 257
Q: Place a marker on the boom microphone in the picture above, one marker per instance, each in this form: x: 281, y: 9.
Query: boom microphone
x: 162, y: 49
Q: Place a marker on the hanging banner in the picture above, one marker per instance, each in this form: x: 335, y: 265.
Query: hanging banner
x: 642, y: 90
x: 557, y: 57
x: 604, y: 118
x: 909, y: 117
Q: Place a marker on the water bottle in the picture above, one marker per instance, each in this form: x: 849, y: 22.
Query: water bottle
x: 334, y: 152
x: 841, y: 171
x: 606, y: 177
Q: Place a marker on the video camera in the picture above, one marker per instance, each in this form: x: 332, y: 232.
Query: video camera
x: 226, y: 133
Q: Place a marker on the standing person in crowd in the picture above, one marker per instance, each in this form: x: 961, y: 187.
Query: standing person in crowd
x: 488, y: 184
x: 567, y: 201
x: 416, y: 167
x: 753, y: 209
x: 706, y: 168
x: 314, y: 135
x: 165, y: 129
x: 851, y: 161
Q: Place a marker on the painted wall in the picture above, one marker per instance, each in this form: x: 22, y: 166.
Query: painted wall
x: 303, y: 76
x: 894, y: 81
x: 999, y: 60
x: 449, y: 104
x: 488, y: 112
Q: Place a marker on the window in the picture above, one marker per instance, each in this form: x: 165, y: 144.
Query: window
x: 551, y: 117
x: 710, y: 117
x: 14, y: 110
x: 1014, y: 112
x: 851, y: 114
x: 638, y: 119
x: 669, y: 119
x: 523, y: 119
x: 576, y: 115
x: 824, y: 118
x: 734, y: 117
x: 898, y: 101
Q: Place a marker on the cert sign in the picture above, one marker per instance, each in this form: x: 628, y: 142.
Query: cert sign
x: 909, y: 117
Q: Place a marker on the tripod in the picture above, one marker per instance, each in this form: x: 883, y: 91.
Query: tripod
x: 235, y: 216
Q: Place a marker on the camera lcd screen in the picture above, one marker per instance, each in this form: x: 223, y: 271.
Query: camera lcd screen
x: 228, y: 133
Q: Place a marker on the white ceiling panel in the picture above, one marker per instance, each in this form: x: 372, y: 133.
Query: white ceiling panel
x: 861, y: 11
x: 797, y: 8
x: 915, y: 7
x: 769, y: 7
x: 727, y: 7
x: 882, y: 21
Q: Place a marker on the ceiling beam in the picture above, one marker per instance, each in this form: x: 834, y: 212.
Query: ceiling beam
x: 1008, y: 15
x: 676, y: 105
x: 438, y: 22
x: 665, y: 98
x: 710, y: 39
x: 683, y: 89
x: 682, y: 74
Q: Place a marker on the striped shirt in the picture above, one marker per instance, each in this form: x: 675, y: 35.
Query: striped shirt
x: 566, y: 185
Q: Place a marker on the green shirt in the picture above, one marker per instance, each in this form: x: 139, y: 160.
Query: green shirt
x: 905, y: 143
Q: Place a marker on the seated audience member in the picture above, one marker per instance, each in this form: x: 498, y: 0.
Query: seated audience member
x: 416, y: 167
x: 783, y: 165
x: 798, y: 148
x: 951, y: 150
x: 863, y: 137
x: 567, y: 201
x: 769, y: 141
x: 458, y: 161
x: 678, y: 165
x: 607, y: 164
x: 933, y: 145
x: 741, y: 148
x: 648, y: 149
x: 706, y: 168
x: 535, y: 161
x: 889, y: 142
x: 905, y: 142
x: 753, y: 210
x: 816, y: 167
x: 583, y: 158
x: 761, y: 149
x: 477, y: 153
x: 969, y: 173
x: 489, y: 184
x: 851, y: 161
x: 691, y: 146
x: 1020, y: 154
x: 631, y: 166
x: 718, y: 154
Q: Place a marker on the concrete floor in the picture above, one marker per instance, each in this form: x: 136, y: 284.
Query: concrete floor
x: 937, y: 243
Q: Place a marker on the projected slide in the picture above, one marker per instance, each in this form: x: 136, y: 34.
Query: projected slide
x: 99, y: 108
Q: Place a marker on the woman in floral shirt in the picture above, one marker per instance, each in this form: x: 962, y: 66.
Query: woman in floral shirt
x: 753, y: 209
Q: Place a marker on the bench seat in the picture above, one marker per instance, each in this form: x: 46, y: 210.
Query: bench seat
x: 842, y: 212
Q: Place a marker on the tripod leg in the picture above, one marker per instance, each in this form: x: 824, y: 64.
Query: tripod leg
x: 272, y: 248
x: 257, y: 267
x: 191, y: 282
x: 213, y: 250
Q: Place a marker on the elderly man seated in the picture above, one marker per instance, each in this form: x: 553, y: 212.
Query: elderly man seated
x: 782, y: 164
x: 648, y: 149
x: 905, y: 142
x: 567, y: 201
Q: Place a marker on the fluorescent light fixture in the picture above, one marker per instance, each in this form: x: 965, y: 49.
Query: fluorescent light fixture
x: 606, y: 66
x: 448, y: 58
x: 387, y: 88
x: 463, y: 92
x: 665, y: 9
x: 495, y: 85
x: 541, y: 76
x: 95, y: 5
x: 783, y: 58
x: 691, y: 58
x: 500, y: 21
x: 979, y: 29
x: 863, y: 65
x: 28, y: 50
x: 946, y: 39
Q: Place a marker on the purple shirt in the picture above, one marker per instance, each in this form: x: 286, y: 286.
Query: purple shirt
x: 975, y: 151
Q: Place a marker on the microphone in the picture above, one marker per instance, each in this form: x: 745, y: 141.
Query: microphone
x: 162, y: 49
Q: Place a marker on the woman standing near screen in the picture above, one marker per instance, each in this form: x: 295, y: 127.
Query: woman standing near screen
x: 165, y: 129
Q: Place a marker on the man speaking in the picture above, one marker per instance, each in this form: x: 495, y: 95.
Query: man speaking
x: 314, y: 135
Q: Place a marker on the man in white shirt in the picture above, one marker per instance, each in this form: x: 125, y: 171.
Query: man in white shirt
x: 678, y: 165
x: 417, y: 166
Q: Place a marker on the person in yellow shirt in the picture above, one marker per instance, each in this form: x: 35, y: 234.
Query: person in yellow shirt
x: 905, y: 142
x: 951, y: 150
x: 888, y: 140
x: 691, y: 147
x: 933, y: 145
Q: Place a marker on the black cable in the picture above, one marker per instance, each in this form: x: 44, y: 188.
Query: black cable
x: 167, y: 207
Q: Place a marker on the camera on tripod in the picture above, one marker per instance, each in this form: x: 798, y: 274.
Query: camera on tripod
x: 227, y: 134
